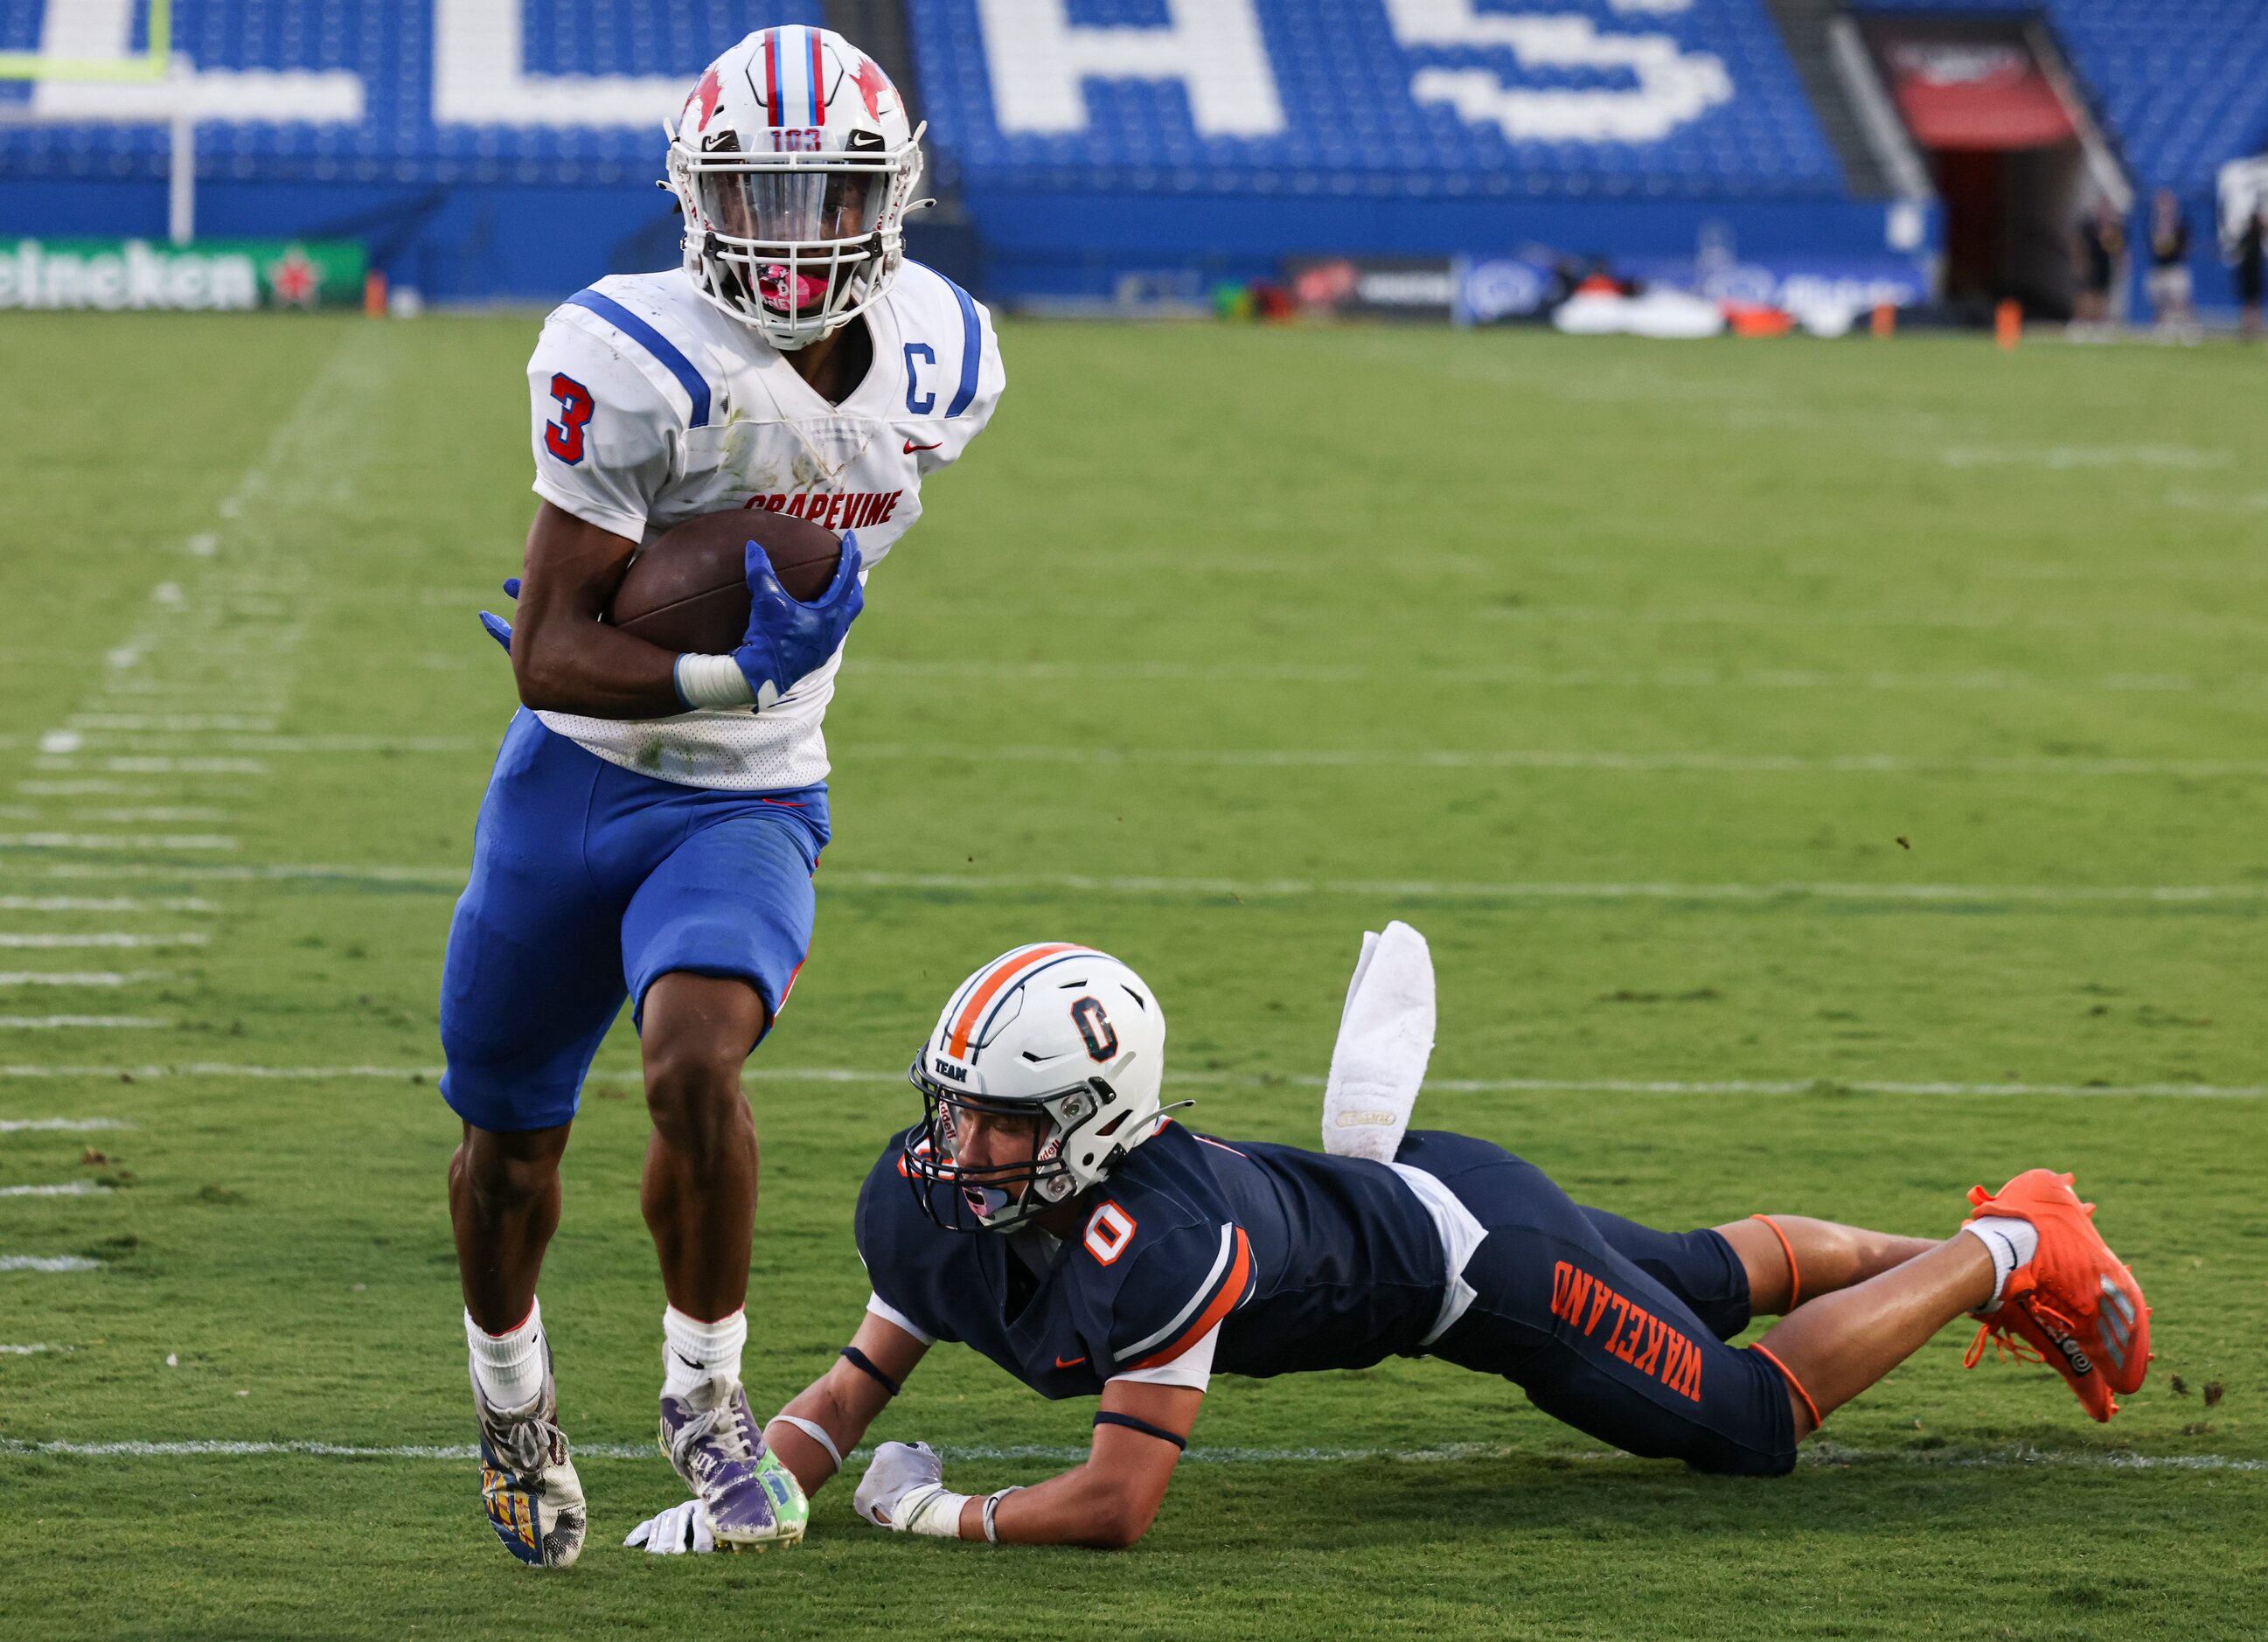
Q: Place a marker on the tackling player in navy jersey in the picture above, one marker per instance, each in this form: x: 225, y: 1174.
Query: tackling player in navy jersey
x: 1047, y: 1212
x: 651, y: 828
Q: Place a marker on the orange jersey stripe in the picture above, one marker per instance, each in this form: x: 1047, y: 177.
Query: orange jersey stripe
x: 990, y: 986
x: 1239, y: 1277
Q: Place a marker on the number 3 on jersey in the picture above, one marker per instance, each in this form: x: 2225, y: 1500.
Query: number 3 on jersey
x: 563, y: 438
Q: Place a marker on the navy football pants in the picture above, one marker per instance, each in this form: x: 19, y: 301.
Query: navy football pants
x: 1611, y: 1327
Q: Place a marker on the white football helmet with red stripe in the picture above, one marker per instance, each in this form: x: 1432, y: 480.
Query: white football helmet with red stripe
x: 795, y: 166
x: 1057, y: 1031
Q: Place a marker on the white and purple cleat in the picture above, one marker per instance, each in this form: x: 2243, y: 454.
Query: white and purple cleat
x: 751, y: 1500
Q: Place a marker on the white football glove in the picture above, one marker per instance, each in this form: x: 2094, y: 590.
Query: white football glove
x: 904, y: 1489
x: 677, y: 1531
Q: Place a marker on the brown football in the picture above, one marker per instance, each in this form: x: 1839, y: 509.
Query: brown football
x: 688, y: 590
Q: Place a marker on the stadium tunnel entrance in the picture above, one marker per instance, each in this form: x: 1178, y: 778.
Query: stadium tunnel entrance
x: 2023, y: 174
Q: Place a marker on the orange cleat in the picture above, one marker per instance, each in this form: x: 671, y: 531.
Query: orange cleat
x: 2075, y: 1305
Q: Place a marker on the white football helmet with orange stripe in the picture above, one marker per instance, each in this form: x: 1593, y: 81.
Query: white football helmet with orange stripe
x: 1054, y: 1030
x: 795, y: 165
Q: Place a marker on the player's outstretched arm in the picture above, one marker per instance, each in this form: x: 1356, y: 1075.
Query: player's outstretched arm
x: 564, y: 657
x: 825, y: 1420
x: 1107, y: 1502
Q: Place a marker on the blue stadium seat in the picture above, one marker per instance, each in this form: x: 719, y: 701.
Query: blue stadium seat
x: 388, y: 44
x: 1349, y: 93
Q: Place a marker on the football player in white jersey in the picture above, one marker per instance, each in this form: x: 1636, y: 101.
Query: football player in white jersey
x: 654, y: 818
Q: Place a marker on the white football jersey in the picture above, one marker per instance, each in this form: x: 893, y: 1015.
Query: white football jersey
x: 651, y: 408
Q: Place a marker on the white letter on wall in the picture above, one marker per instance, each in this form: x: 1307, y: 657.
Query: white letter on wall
x: 1040, y: 62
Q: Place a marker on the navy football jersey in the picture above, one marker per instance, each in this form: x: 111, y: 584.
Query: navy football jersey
x: 1304, y: 1261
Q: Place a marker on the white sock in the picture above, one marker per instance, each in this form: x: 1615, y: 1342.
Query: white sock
x: 694, y: 1350
x: 2011, y: 1243
x: 510, y: 1365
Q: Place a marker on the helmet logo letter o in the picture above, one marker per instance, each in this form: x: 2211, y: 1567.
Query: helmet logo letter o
x: 1094, y: 1027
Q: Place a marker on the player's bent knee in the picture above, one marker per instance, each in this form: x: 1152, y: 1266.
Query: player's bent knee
x: 694, y: 1098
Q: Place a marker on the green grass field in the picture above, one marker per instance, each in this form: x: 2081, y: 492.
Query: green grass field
x: 1831, y: 775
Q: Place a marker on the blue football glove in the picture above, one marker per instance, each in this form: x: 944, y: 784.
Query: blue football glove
x: 788, y: 639
x: 496, y: 626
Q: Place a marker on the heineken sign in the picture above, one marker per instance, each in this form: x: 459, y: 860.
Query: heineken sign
x: 117, y: 275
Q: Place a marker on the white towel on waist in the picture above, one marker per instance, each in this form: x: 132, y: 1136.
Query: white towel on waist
x: 1386, y: 1037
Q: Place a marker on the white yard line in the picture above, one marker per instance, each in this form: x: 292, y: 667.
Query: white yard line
x: 236, y: 743
x: 174, y: 724
x: 47, y: 1263
x: 24, y: 1351
x: 107, y: 841
x: 104, y: 904
x: 1824, y: 1083
x: 81, y: 977
x: 97, y: 787
x: 1637, y: 763
x: 67, y: 1189
x: 45, y: 941
x: 83, y: 1023
x: 151, y: 816
x: 56, y: 1125
x: 1450, y: 889
x: 1450, y: 1453
x: 230, y: 873
x: 1288, y: 889
x: 1561, y: 678
x: 127, y: 765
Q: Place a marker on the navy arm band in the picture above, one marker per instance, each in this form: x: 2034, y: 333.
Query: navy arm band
x: 859, y: 1360
x: 1107, y: 1417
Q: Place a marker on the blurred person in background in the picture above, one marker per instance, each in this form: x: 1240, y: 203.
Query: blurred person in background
x: 2099, y: 246
x: 2171, y: 297
x: 2251, y: 272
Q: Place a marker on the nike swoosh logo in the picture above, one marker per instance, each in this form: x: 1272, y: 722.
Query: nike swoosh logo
x: 911, y: 447
x: 1074, y: 1362
x: 687, y: 1361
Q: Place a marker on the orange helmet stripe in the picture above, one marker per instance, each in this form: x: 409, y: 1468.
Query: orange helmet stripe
x: 991, y: 985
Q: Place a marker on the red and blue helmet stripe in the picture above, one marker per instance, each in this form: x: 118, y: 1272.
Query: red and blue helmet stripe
x: 794, y: 74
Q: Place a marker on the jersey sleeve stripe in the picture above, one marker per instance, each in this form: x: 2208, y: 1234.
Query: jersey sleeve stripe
x: 696, y: 385
x: 1225, y: 1300
x: 972, y: 350
x: 988, y: 988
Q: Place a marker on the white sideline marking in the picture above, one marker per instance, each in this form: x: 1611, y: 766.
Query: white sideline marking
x: 1639, y: 763
x: 79, y: 977
x: 104, y: 904
x: 81, y: 1023
x: 1434, y: 889
x: 56, y: 1125
x: 24, y: 1351
x: 1455, y: 1085
x: 68, y: 1188
x: 107, y: 938
x: 1448, y: 1453
x: 114, y: 841
x: 47, y: 1263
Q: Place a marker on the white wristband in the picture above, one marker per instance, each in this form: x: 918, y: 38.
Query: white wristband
x: 814, y: 1430
x: 713, y: 682
x: 933, y: 1510
x: 992, y: 1510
